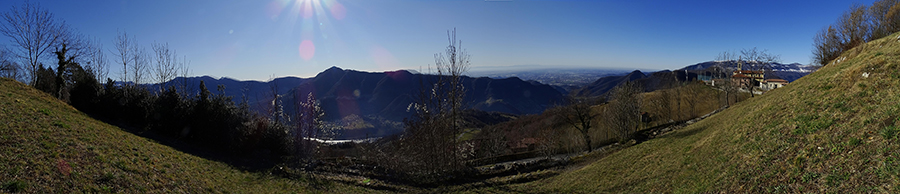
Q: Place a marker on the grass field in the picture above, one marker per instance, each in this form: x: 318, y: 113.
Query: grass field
x: 833, y: 131
x: 46, y: 146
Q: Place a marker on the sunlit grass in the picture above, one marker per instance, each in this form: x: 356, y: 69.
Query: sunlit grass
x: 832, y: 131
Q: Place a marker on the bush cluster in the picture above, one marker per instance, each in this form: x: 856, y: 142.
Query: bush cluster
x: 203, y: 119
x: 212, y: 121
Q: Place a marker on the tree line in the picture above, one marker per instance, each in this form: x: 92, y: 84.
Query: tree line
x: 856, y: 26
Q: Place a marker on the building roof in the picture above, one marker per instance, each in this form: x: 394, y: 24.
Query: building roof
x: 776, y: 80
x: 739, y: 76
x: 747, y: 72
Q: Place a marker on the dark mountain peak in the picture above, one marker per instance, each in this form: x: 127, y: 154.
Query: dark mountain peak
x: 402, y: 71
x: 333, y: 72
x: 634, y: 75
x: 517, y: 79
x: 399, y: 74
x: 332, y: 69
x: 228, y: 79
x: 288, y: 78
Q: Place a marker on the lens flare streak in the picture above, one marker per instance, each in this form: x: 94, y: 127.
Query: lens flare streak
x: 313, y: 19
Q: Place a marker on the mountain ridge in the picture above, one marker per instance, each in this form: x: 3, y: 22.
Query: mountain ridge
x: 388, y: 95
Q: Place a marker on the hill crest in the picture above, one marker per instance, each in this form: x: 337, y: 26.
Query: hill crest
x: 834, y: 130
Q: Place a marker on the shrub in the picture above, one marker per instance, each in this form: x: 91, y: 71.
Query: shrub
x: 85, y: 91
x: 889, y: 132
x: 172, y: 113
x: 15, y: 186
x: 45, y: 80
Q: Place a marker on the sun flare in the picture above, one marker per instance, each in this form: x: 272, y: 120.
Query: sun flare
x: 314, y: 18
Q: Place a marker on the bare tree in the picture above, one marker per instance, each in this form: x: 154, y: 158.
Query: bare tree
x: 166, y: 63
x: 884, y: 17
x: 124, y: 53
x: 679, y: 97
x: 724, y: 61
x: 275, y: 108
x: 308, y: 126
x: 184, y: 70
x: 757, y: 60
x: 8, y: 67
x: 97, y: 62
x: 140, y: 63
x: 827, y: 46
x: 78, y: 45
x: 664, y: 104
x: 891, y: 21
x: 578, y: 114
x: 34, y: 32
x: 431, y: 135
x: 450, y: 68
x: 854, y: 27
x: 623, y: 110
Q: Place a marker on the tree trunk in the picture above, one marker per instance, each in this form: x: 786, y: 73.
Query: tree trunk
x: 587, y: 141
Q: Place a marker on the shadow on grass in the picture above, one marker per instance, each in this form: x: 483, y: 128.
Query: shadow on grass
x: 257, y: 162
x: 684, y: 133
x: 623, y: 187
x: 505, y: 188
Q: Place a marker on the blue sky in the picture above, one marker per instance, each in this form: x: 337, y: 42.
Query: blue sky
x: 254, y: 40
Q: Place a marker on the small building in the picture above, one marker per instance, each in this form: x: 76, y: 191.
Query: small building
x: 524, y: 144
x: 704, y: 78
x: 741, y: 80
x: 746, y: 78
x: 769, y: 84
x: 757, y: 75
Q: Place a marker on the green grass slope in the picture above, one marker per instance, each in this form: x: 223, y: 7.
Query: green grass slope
x: 47, y: 146
x: 833, y: 131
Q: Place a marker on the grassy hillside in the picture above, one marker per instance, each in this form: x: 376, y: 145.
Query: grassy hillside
x: 833, y: 131
x: 47, y: 146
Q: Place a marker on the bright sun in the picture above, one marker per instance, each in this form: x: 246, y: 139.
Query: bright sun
x: 307, y: 8
x: 310, y: 15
